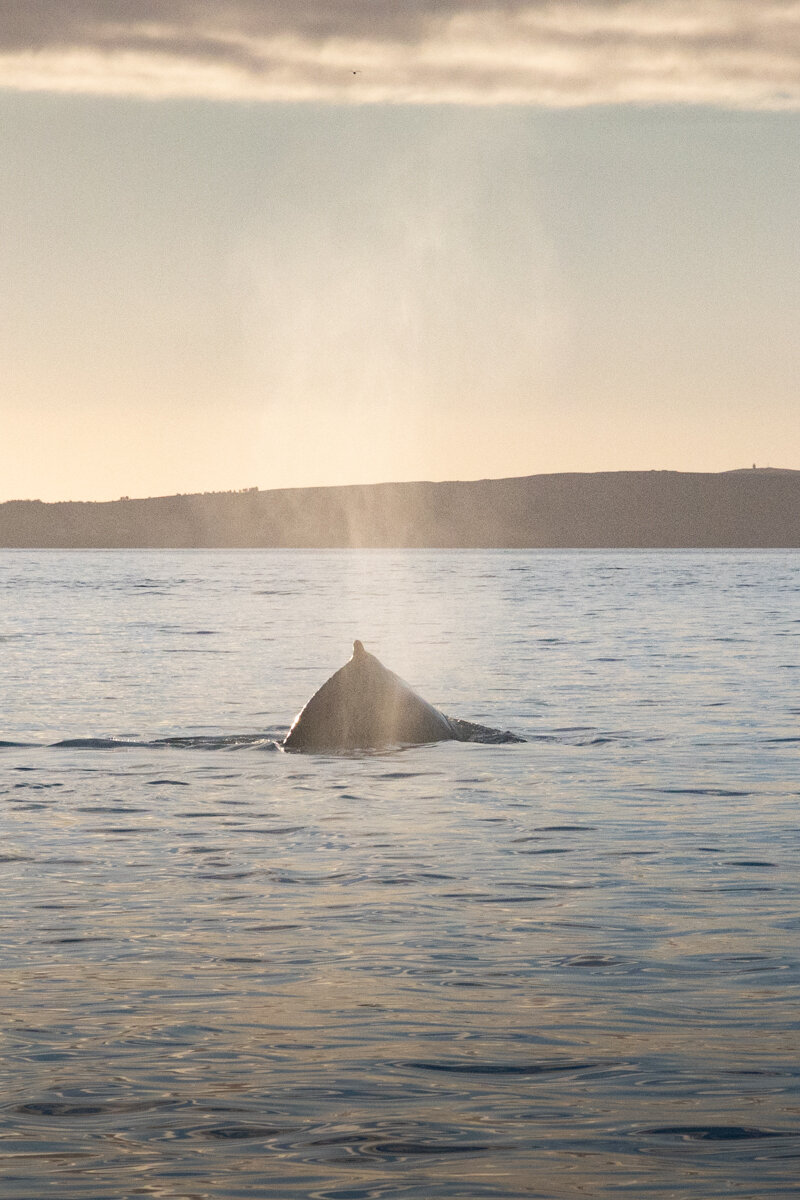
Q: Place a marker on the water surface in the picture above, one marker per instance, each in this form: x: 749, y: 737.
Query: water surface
x: 567, y: 968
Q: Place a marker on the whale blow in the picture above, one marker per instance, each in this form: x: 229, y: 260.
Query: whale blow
x: 364, y: 706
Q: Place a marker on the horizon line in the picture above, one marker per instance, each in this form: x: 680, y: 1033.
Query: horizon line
x: 256, y: 490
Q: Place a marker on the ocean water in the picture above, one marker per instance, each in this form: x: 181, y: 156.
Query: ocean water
x: 567, y: 968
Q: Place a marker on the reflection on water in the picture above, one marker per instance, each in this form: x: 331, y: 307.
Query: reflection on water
x: 561, y: 969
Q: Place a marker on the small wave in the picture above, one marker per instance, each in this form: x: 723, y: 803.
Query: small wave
x: 591, y: 960
x: 566, y: 828
x: 180, y: 650
x: 710, y: 791
x: 93, y: 744
x: 750, y: 862
x: 230, y: 741
x: 716, y: 1133
x: 550, y: 850
x: 408, y: 1149
x: 227, y: 741
x: 240, y: 1132
x: 70, y: 941
x: 396, y: 1143
x: 91, y: 1107
x: 495, y: 1068
x: 37, y: 787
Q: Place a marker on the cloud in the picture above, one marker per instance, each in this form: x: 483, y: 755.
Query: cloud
x: 558, y: 53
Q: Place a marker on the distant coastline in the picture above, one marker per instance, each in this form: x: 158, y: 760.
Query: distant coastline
x: 758, y: 508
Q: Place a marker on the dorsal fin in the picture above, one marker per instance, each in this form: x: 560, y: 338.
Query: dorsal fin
x: 358, y: 648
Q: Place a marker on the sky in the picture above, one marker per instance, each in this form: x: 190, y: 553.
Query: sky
x: 249, y: 243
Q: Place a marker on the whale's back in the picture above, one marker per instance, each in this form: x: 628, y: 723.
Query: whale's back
x: 365, y: 706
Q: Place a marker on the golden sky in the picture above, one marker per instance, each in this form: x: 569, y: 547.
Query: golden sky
x: 282, y: 245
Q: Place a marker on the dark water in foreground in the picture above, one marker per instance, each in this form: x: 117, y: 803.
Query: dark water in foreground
x: 568, y: 968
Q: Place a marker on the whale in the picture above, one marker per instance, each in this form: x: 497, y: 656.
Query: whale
x: 365, y: 706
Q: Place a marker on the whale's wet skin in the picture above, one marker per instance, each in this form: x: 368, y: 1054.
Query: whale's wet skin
x: 365, y: 707
x: 561, y: 970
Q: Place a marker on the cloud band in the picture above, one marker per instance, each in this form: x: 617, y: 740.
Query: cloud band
x: 562, y: 53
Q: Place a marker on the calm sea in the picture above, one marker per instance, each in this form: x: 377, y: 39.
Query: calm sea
x: 568, y: 968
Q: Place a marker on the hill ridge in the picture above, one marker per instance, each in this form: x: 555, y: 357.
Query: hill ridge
x: 628, y: 509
